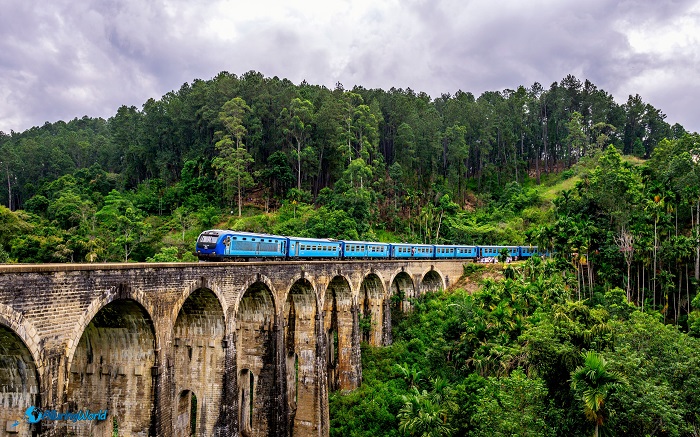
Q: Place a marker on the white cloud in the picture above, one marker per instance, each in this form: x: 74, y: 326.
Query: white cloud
x: 60, y: 60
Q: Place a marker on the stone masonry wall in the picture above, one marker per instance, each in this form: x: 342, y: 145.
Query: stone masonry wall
x: 141, y: 339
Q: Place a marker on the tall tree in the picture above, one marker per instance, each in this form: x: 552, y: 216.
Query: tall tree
x: 593, y: 382
x: 299, y: 118
x: 233, y: 160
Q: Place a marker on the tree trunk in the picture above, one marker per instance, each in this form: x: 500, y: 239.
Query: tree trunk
x: 298, y: 165
x: 240, y: 197
x: 9, y: 187
x: 697, y: 241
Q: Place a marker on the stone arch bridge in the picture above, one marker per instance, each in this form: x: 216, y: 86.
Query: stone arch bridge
x: 226, y: 349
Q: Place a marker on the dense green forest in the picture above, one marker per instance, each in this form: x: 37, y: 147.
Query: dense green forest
x: 600, y: 336
x: 520, y: 357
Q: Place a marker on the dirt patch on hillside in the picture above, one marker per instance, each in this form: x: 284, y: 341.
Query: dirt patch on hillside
x: 475, y: 276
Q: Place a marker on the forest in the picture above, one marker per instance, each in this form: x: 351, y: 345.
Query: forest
x: 611, y: 190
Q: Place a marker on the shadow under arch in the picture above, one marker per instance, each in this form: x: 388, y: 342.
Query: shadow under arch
x: 113, y: 368
x: 371, y: 309
x: 198, y: 285
x: 19, y: 380
x: 24, y: 329
x: 199, y: 357
x: 402, y: 290
x: 185, y: 415
x: 431, y: 282
x: 120, y: 292
x: 341, y: 335
x: 301, y: 349
x: 256, y: 340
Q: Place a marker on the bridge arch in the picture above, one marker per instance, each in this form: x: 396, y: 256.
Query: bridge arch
x: 20, y: 384
x: 340, y: 335
x: 256, y: 360
x: 402, y: 289
x: 432, y: 281
x: 185, y: 416
x: 198, y: 354
x: 115, y: 354
x: 370, y: 302
x: 24, y: 330
x: 202, y: 283
x: 254, y: 283
x: 122, y: 291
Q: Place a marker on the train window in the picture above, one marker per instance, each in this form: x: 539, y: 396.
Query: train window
x: 244, y: 239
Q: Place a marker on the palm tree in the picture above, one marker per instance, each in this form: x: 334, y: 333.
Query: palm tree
x: 593, y: 382
x: 424, y: 415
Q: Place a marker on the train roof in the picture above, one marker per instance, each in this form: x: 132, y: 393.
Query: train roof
x: 364, y: 242
x: 247, y: 234
x: 322, y: 240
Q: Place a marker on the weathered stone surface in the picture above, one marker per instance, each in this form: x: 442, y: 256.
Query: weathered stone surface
x: 226, y: 349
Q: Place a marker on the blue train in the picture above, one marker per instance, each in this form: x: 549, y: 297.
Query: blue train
x: 219, y: 245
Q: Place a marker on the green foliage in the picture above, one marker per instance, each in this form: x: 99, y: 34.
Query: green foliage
x: 519, y: 357
x: 592, y: 382
x: 170, y: 254
x: 124, y: 223
x: 512, y: 405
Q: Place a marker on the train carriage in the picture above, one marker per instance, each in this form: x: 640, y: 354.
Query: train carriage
x: 313, y: 248
x: 528, y: 251
x: 405, y: 250
x: 444, y: 251
x: 494, y: 251
x: 466, y: 252
x: 364, y: 249
x: 220, y: 244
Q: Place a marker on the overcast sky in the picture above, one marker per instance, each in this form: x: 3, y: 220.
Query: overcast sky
x: 62, y: 59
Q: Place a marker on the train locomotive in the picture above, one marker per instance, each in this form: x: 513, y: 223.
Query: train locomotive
x: 222, y: 245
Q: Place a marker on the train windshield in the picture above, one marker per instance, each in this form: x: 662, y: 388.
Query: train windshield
x: 208, y: 239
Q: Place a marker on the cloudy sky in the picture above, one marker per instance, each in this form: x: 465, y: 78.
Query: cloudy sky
x: 62, y: 59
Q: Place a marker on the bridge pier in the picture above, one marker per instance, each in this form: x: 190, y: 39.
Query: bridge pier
x: 225, y: 349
